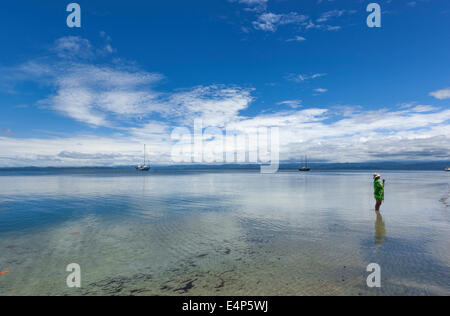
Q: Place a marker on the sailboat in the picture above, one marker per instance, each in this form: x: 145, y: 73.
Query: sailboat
x: 143, y: 167
x: 447, y: 169
x: 305, y: 167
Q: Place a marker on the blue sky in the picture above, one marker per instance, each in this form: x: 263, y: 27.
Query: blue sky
x: 135, y: 70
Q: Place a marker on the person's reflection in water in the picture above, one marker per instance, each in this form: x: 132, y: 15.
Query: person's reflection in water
x: 380, y: 230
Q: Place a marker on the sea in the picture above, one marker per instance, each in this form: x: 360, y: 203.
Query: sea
x: 214, y: 232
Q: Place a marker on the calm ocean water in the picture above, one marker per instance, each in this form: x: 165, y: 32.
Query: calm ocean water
x: 222, y: 232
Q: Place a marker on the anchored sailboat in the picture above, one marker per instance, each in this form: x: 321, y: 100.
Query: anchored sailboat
x: 305, y: 168
x: 143, y: 167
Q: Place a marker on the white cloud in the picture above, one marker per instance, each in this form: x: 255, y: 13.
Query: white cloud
x: 326, y: 16
x: 304, y: 77
x: 109, y: 48
x: 83, y: 156
x: 91, y: 94
x: 359, y: 136
x: 441, y: 94
x: 270, y: 22
x: 321, y: 90
x: 73, y: 47
x: 109, y: 95
x: 216, y: 105
x: 253, y: 5
x: 323, y: 133
x: 325, y: 27
x: 253, y: 2
x: 291, y: 103
x: 423, y: 108
x: 297, y: 39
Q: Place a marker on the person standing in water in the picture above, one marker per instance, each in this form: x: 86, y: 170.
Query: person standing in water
x: 379, y: 191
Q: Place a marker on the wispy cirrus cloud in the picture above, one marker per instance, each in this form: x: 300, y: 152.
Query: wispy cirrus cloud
x: 73, y: 46
x: 110, y: 94
x: 441, y: 94
x: 215, y: 105
x: 294, y: 104
x: 252, y: 2
x: 304, y: 77
x: 84, y: 156
x: 327, y: 16
x: 97, y: 95
x: 253, y: 5
x: 270, y: 21
x: 76, y: 47
x: 296, y: 39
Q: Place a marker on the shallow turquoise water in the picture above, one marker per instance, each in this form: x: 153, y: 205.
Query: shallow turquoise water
x: 222, y: 233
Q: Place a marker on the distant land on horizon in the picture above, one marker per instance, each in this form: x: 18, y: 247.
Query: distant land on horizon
x: 390, y: 165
